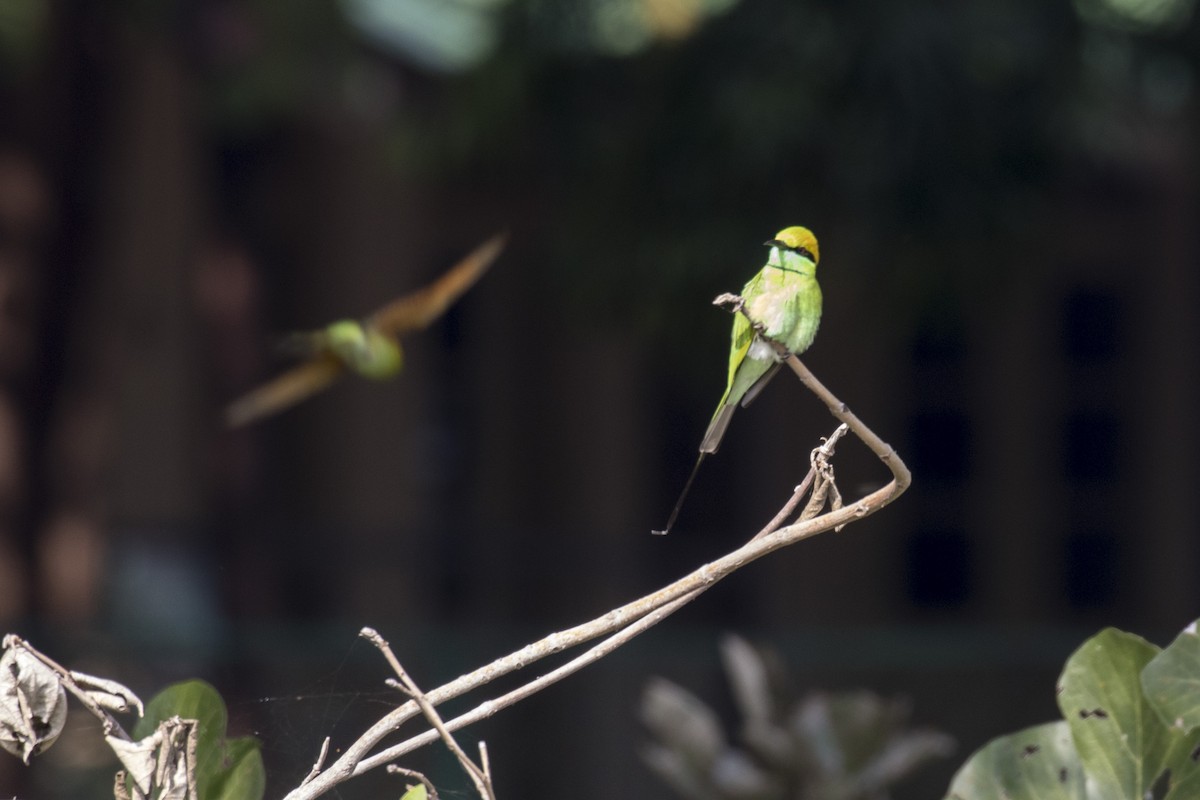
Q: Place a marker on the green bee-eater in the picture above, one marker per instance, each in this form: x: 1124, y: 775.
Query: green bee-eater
x: 781, y: 303
x: 370, y: 347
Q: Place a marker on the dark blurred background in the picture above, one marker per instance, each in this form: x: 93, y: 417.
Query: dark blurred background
x: 1005, y: 194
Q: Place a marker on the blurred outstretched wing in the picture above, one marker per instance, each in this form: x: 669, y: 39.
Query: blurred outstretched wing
x: 284, y: 391
x: 417, y: 310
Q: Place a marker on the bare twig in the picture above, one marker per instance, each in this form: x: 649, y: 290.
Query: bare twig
x: 789, y: 508
x: 430, y: 789
x: 490, y: 707
x: 319, y: 764
x: 625, y: 622
x: 483, y: 783
x: 484, y: 761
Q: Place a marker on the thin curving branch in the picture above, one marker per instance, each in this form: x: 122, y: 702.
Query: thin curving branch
x: 623, y: 623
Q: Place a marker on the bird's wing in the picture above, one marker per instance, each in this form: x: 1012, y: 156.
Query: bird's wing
x: 742, y: 336
x: 284, y: 391
x: 760, y: 382
x: 418, y: 309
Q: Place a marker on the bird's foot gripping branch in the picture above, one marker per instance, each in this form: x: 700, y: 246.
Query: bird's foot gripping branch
x: 736, y: 304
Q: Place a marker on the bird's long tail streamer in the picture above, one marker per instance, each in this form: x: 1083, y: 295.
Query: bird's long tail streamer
x: 682, y: 496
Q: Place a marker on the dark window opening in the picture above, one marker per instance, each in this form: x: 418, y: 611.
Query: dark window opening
x: 1092, y: 326
x: 1090, y: 445
x: 939, y: 568
x: 1090, y: 569
x: 941, y: 445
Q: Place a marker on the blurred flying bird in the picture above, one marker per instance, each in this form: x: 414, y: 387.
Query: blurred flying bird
x: 370, y: 347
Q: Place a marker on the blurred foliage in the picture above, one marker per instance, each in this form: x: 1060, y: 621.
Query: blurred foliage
x: 23, y: 25
x: 936, y: 133
x: 847, y: 746
x: 931, y: 133
x: 1138, y: 15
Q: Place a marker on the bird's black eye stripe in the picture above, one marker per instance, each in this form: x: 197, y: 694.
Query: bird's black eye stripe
x: 785, y: 246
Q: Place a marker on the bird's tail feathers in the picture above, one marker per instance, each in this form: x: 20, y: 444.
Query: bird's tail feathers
x: 687, y: 487
x: 716, y: 428
x: 758, y: 385
x: 299, y: 345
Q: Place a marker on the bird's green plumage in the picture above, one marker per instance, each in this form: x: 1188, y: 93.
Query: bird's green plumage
x: 364, y: 349
x: 785, y: 300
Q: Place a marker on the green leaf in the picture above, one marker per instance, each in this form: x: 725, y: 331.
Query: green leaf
x: 1038, y: 763
x: 1121, y: 741
x: 244, y: 778
x: 190, y: 700
x: 1171, y: 681
x: 417, y: 792
x: 225, y: 769
x: 1185, y: 772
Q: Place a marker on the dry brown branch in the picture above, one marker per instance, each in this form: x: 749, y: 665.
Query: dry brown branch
x: 479, y: 776
x: 623, y: 623
x: 826, y: 452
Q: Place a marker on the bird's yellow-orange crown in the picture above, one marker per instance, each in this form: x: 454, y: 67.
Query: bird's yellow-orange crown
x: 798, y: 237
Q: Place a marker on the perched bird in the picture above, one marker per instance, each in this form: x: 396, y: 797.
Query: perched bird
x: 370, y: 347
x: 781, y: 304
x: 785, y: 302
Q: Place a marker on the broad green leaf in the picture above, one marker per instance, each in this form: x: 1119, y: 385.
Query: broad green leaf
x: 244, y: 777
x: 191, y: 700
x: 1172, y: 681
x: 1185, y: 772
x: 225, y: 770
x: 1121, y: 741
x: 1038, y: 763
x: 1183, y: 761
